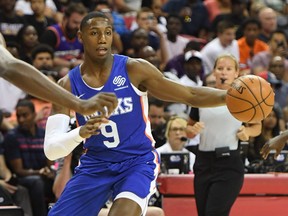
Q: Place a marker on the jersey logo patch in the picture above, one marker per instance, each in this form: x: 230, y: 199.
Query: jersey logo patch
x: 119, y: 81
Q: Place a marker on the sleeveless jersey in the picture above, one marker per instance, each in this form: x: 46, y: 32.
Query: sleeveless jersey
x: 128, y: 133
x: 65, y: 48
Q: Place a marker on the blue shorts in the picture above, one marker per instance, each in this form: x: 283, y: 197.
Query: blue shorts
x: 95, y: 182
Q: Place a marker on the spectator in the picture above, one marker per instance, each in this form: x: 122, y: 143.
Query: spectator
x: 268, y: 19
x: 275, y: 75
x: 236, y: 16
x: 25, y: 155
x: 42, y: 59
x: 10, y: 23
x: 12, y: 193
x: 176, y: 64
x: 38, y: 18
x: 118, y: 20
x: 175, y: 130
x: 174, y: 41
x: 277, y: 46
x: 195, y: 19
x: 27, y: 38
x: 217, y: 7
x: 249, y: 44
x: 125, y: 6
x: 224, y: 43
x: 63, y: 37
x: 157, y: 119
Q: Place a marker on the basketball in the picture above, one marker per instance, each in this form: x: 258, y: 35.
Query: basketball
x: 250, y: 98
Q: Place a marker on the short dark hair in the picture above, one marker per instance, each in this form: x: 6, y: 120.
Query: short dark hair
x: 156, y: 102
x: 75, y: 8
x: 278, y: 31
x: 91, y: 15
x: 224, y: 25
x: 170, y: 16
x: 26, y: 103
x: 250, y: 21
x: 42, y: 48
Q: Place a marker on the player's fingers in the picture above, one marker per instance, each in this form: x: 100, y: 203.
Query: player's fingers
x: 110, y: 101
x: 277, y: 153
x: 265, y: 151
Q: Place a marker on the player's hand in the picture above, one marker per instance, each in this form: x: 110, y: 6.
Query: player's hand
x: 105, y: 103
x: 242, y: 133
x: 277, y: 143
x: 92, y: 126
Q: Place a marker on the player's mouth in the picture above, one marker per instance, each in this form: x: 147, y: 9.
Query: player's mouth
x: 102, y: 50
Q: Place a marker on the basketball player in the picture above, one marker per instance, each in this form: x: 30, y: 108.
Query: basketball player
x: 34, y: 82
x: 120, y: 162
x: 277, y: 143
x: 218, y: 168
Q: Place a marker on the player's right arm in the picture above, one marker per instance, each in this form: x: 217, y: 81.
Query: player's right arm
x: 277, y: 143
x: 35, y: 83
x: 58, y: 141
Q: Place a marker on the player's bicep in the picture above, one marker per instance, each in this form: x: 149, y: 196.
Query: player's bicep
x: 161, y: 87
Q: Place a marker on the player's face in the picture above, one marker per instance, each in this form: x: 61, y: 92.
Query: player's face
x: 97, y: 37
x: 225, y: 72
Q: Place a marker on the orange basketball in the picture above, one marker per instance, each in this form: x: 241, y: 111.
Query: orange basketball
x: 250, y: 98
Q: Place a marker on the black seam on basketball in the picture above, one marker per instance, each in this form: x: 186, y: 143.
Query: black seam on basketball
x: 239, y: 112
x: 264, y: 100
x: 258, y: 103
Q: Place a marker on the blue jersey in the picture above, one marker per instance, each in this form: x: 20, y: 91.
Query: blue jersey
x: 128, y: 133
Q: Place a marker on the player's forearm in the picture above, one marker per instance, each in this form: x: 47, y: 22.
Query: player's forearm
x: 35, y: 83
x: 207, y: 97
x: 58, y: 142
x: 284, y: 136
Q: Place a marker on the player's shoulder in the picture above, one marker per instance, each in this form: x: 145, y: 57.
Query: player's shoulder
x: 137, y: 63
x: 65, y: 82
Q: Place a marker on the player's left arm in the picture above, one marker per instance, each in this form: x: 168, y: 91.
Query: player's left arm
x: 147, y: 77
x: 249, y: 130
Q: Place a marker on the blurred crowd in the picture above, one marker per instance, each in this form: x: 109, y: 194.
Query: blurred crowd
x: 182, y: 38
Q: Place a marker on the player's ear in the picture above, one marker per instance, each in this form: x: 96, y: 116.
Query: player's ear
x: 79, y: 34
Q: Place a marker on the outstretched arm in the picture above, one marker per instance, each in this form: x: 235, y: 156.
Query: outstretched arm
x: 146, y: 77
x: 35, y: 83
x: 277, y: 143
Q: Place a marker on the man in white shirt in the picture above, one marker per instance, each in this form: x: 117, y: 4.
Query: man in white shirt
x: 225, y: 42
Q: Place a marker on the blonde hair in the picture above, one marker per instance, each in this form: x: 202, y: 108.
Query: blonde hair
x: 177, y: 119
x: 227, y: 55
